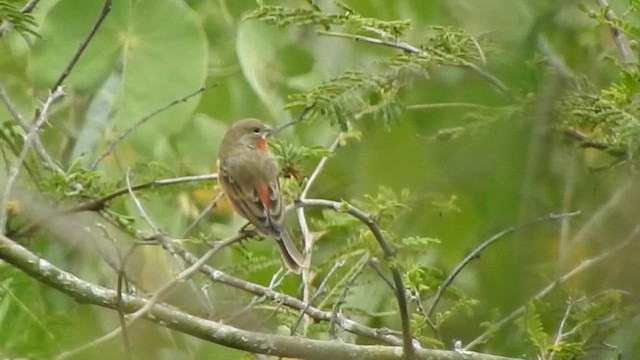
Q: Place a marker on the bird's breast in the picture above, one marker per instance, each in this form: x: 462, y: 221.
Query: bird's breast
x: 254, y: 166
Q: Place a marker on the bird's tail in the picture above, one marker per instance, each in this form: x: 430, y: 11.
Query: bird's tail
x: 291, y: 257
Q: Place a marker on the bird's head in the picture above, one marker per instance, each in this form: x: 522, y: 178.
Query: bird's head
x: 251, y: 133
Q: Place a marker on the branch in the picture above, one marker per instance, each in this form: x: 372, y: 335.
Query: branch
x: 300, y: 117
x: 275, y: 282
x: 28, y: 141
x: 308, y: 240
x: 83, y: 45
x: 351, y: 278
x: 475, y: 254
x: 626, y: 55
x: 584, y: 141
x: 367, y: 39
x: 138, y: 205
x: 584, y: 265
x: 28, y: 7
x: 157, y: 296
x: 407, y: 341
x: 319, y: 291
x: 446, y: 105
x: 499, y: 85
x: 112, y: 144
x: 202, y: 214
x: 622, y: 193
x: 349, y: 325
x: 101, y: 203
x: 229, y: 336
x: 559, y: 334
x: 37, y: 145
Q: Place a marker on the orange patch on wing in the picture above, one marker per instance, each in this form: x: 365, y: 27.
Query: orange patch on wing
x: 261, y: 144
x: 263, y: 195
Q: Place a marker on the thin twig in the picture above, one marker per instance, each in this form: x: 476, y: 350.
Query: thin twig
x: 106, y: 7
x: 28, y: 141
x: 584, y: 265
x: 28, y: 7
x: 558, y: 338
x: 626, y: 55
x: 375, y: 265
x: 499, y: 85
x: 317, y: 293
x: 367, y: 39
x: 351, y: 278
x: 275, y: 282
x: 389, y: 252
x: 13, y: 110
x: 112, y: 144
x: 37, y: 144
x: 138, y: 204
x: 300, y: 117
x: 606, y: 209
x: 202, y: 214
x: 415, y: 296
x: 570, y: 180
x: 584, y: 140
x: 186, y: 274
x: 446, y: 105
x: 328, y: 296
x: 475, y: 254
x: 101, y: 203
x: 32, y: 316
x: 321, y: 164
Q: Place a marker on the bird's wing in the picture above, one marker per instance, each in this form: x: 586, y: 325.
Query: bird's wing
x: 259, y: 200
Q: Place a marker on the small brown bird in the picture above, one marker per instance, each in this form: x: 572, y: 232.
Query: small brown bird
x: 249, y: 177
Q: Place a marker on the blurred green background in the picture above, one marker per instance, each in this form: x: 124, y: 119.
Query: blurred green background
x: 502, y: 171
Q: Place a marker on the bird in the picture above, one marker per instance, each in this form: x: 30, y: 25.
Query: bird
x: 248, y: 176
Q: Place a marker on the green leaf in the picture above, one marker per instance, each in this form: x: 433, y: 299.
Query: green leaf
x: 256, y: 47
x: 64, y: 27
x: 161, y: 61
x: 531, y: 323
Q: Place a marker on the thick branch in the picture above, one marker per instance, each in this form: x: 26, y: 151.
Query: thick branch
x: 229, y: 336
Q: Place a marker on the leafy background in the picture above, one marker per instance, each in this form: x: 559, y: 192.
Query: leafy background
x: 471, y: 171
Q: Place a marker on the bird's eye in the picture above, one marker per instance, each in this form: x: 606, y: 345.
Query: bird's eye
x: 256, y: 129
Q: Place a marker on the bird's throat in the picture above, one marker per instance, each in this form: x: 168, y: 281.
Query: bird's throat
x: 261, y: 144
